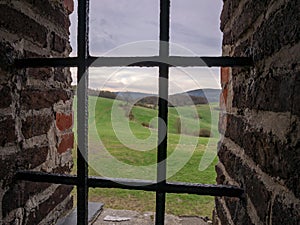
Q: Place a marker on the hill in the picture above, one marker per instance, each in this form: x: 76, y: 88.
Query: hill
x: 212, y: 95
x: 143, y: 125
x: 198, y: 96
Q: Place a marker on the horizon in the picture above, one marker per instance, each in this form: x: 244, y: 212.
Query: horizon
x: 152, y: 93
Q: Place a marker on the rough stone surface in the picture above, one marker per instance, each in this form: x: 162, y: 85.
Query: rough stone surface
x: 36, y: 125
x: 47, y: 206
x: 260, y: 113
x: 5, y: 96
x: 7, y: 130
x: 21, y: 192
x: 20, y: 24
x: 38, y: 99
x: 30, y: 100
x: 39, y: 73
x: 285, y: 213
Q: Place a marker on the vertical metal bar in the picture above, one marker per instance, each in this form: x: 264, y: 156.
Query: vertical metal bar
x: 82, y: 113
x: 163, y: 110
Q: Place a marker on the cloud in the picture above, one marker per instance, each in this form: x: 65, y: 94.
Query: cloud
x: 194, y: 26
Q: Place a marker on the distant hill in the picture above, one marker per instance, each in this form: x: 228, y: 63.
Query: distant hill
x: 198, y: 96
x: 174, y: 100
x: 132, y: 96
x: 212, y: 95
x: 98, y: 93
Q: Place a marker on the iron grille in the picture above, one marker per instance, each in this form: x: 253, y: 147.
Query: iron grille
x: 82, y: 62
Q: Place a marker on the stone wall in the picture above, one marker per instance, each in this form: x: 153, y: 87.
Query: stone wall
x: 36, y: 115
x: 260, y: 120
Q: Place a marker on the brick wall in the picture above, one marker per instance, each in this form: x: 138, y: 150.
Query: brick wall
x: 260, y: 120
x: 36, y: 115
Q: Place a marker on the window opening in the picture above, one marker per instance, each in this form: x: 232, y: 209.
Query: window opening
x: 82, y: 62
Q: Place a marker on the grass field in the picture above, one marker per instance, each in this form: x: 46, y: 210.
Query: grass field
x: 135, y: 155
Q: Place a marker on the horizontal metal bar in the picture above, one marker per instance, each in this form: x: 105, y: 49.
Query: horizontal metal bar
x: 151, y: 61
x: 47, y: 62
x: 131, y: 184
x: 42, y: 177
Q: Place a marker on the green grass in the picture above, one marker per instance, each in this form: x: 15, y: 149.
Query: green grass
x: 141, y: 164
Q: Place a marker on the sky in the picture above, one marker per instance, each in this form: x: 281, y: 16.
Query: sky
x: 131, y: 28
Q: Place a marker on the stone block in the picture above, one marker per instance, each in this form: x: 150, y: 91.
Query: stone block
x: 5, y: 95
x: 279, y: 30
x: 40, y: 73
x: 33, y: 157
x: 229, y: 8
x: 57, y: 43
x: 20, y: 193
x: 7, y: 130
x: 246, y: 177
x: 7, y: 55
x: 53, y: 11
x: 36, y: 125
x: 62, y: 76
x: 238, y: 210
x: 38, y: 99
x: 296, y: 96
x: 36, y: 216
x: 20, y: 25
x: 221, y: 212
x: 285, y: 213
x: 249, y: 14
x: 275, y: 157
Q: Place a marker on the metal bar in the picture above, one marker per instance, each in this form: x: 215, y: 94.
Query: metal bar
x: 151, y: 61
x: 162, y: 111
x: 36, y: 176
x: 46, y: 62
x: 131, y: 184
x: 82, y: 113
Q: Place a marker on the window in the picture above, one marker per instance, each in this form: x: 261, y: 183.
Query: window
x: 163, y: 62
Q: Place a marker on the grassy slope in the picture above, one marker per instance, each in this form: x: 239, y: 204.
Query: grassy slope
x: 144, y: 201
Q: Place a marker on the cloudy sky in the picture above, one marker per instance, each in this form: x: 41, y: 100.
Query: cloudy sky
x: 131, y: 28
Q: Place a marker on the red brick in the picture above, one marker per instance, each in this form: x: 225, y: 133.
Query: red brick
x: 225, y: 73
x: 66, y: 143
x: 64, y: 121
x: 69, y: 5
